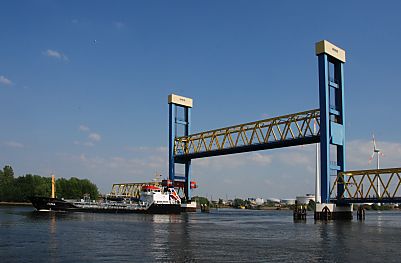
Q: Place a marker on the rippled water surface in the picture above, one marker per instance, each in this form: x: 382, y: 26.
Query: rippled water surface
x: 220, y: 236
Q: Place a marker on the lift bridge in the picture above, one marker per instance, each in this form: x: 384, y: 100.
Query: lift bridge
x: 325, y: 125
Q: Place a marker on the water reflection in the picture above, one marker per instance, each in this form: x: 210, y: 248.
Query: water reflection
x: 163, y: 219
x: 380, y: 220
x: 180, y: 245
x: 39, y: 216
x: 170, y: 238
x: 229, y: 235
x: 53, y: 241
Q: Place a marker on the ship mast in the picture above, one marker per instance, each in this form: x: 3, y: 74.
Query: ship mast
x: 53, y: 187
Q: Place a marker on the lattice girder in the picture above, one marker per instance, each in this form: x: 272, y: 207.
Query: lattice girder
x: 277, y: 129
x: 389, y: 181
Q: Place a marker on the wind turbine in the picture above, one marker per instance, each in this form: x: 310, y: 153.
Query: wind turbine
x: 378, y: 153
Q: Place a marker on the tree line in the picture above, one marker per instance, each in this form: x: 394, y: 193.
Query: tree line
x: 21, y: 188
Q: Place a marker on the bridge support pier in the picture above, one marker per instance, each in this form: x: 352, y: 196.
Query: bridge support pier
x: 360, y: 215
x: 299, y: 212
x: 333, y: 212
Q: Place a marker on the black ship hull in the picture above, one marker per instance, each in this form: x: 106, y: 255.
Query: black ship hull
x: 153, y: 209
x: 50, y: 204
x: 55, y: 204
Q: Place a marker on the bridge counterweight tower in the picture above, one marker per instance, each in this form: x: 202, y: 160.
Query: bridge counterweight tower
x: 182, y: 105
x: 332, y: 115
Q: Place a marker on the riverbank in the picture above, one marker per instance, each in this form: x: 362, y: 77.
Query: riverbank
x: 271, y: 208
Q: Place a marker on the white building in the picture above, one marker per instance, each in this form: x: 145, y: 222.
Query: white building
x: 288, y: 201
x: 259, y: 201
x: 256, y: 201
x: 304, y: 200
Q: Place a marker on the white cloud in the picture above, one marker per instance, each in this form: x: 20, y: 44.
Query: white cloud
x: 281, y: 173
x: 145, y: 149
x: 131, y: 167
x: 5, y: 81
x: 14, y: 144
x: 261, y: 159
x: 55, y: 54
x: 144, y: 165
x: 89, y: 144
x: 119, y: 24
x: 94, y: 137
x: 83, y: 128
x: 296, y: 157
x: 259, y: 173
x: 234, y: 161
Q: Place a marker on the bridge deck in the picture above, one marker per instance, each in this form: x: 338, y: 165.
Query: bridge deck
x: 369, y: 186
x: 368, y: 200
x: 283, y: 131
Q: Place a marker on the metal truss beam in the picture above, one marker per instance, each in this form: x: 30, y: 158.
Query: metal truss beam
x: 282, y: 131
x: 362, y: 186
x: 129, y: 190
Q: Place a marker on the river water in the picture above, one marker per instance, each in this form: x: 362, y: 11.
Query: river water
x: 223, y: 235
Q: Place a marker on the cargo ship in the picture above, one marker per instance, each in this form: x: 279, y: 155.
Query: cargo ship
x: 153, y: 200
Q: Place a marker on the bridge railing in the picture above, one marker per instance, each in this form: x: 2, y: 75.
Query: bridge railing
x: 369, y: 186
x: 285, y: 128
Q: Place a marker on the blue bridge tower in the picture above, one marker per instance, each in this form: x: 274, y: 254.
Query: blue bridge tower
x: 332, y: 116
x: 331, y: 61
x: 179, y: 125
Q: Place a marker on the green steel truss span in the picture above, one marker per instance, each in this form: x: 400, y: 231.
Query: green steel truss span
x: 130, y: 189
x: 293, y: 129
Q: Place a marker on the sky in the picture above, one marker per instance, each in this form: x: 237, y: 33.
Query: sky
x: 84, y: 86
